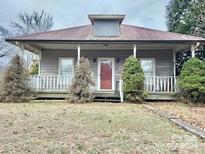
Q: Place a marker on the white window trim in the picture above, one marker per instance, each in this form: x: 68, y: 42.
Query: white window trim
x: 113, y: 73
x: 66, y: 58
x: 153, y: 59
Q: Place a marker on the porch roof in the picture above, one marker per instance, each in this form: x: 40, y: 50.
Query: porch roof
x: 128, y: 34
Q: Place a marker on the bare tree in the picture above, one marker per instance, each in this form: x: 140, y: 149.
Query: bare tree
x: 5, y: 48
x: 32, y: 23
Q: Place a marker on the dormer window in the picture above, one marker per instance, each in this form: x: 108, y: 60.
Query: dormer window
x: 106, y: 25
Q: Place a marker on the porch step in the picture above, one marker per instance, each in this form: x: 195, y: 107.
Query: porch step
x: 107, y: 99
x: 107, y: 96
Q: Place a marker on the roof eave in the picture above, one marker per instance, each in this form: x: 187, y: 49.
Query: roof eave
x: 120, y: 41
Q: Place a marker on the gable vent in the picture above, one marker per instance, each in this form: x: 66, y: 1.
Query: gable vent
x: 106, y: 25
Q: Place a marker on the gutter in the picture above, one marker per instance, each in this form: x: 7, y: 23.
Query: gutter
x: 102, y: 41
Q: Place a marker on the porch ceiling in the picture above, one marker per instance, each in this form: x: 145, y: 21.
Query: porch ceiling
x: 106, y: 46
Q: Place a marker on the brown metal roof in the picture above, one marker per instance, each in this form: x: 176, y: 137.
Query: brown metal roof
x: 84, y: 33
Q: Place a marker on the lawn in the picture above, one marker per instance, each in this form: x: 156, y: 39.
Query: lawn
x: 193, y: 114
x: 58, y: 127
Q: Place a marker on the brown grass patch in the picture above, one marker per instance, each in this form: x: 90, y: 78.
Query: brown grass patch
x: 45, y: 127
x: 194, y: 114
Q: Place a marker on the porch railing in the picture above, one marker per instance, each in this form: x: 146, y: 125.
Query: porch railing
x: 62, y: 83
x: 160, y: 84
x: 51, y: 82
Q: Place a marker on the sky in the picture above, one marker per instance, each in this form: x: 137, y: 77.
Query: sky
x: 69, y: 13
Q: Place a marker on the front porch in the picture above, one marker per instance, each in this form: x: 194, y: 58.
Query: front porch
x: 57, y: 86
x: 57, y: 67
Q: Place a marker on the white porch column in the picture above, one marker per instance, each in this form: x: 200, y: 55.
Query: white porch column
x: 192, y: 50
x: 21, y: 48
x: 78, y: 53
x: 40, y: 54
x: 134, y: 50
x: 39, y: 63
x: 174, y: 69
x: 174, y: 62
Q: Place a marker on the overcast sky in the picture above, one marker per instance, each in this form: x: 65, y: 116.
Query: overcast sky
x: 67, y: 13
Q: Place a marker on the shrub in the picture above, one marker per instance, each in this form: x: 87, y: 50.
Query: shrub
x: 34, y: 69
x: 14, y: 85
x: 133, y: 80
x: 80, y: 87
x: 191, y: 81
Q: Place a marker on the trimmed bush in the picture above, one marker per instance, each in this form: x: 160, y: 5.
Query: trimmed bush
x: 34, y: 69
x: 133, y: 80
x: 191, y: 81
x: 14, y: 85
x: 80, y: 88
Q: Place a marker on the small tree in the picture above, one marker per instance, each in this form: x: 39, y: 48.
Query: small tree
x: 133, y: 80
x: 14, y: 86
x: 80, y: 87
x: 191, y: 81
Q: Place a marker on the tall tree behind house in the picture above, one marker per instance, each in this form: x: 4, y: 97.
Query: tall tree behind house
x: 187, y: 17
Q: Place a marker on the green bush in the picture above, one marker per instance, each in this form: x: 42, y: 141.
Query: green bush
x: 133, y: 80
x: 34, y: 69
x: 14, y: 85
x: 80, y: 88
x: 191, y: 81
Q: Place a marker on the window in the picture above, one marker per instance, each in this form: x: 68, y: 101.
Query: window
x: 148, y: 66
x: 66, y: 66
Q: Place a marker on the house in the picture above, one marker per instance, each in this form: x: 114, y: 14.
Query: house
x: 106, y: 42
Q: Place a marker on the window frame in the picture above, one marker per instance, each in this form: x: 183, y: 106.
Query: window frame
x: 59, y: 64
x: 154, y: 63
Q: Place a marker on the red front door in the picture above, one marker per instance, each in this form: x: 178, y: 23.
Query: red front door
x: 106, y: 74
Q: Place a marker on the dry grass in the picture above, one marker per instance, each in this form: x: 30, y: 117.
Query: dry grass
x: 190, y: 113
x: 45, y: 127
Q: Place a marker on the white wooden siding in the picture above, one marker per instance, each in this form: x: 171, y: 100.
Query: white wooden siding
x: 163, y: 60
x: 50, y: 60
